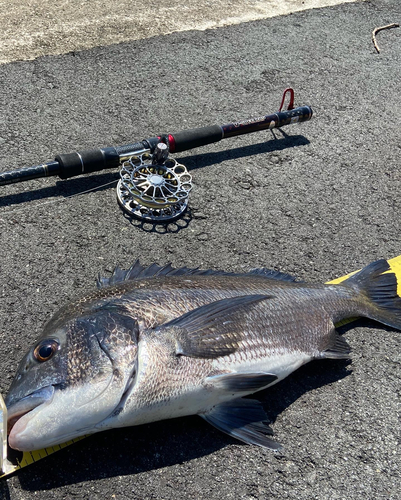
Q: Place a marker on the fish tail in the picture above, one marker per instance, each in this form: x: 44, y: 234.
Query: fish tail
x: 379, y: 293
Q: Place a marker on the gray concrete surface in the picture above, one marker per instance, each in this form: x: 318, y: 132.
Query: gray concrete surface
x: 317, y: 201
x: 33, y: 28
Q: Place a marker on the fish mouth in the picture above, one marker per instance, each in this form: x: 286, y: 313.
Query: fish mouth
x: 25, y: 405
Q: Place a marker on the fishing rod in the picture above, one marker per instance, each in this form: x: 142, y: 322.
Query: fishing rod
x: 152, y: 186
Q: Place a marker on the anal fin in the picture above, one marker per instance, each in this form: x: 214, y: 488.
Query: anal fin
x: 336, y: 346
x: 244, y: 420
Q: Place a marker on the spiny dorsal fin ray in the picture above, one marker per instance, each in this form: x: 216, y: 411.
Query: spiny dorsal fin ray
x: 212, y: 330
x: 272, y: 274
x: 138, y: 271
x: 242, y: 419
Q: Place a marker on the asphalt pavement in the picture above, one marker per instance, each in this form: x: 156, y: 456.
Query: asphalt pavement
x: 316, y: 200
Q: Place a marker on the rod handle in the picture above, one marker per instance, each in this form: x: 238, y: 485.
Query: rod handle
x: 72, y: 164
x: 193, y: 138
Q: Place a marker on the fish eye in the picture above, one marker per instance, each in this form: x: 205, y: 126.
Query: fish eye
x: 45, y: 350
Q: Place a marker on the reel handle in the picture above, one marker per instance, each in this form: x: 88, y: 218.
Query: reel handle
x: 73, y: 164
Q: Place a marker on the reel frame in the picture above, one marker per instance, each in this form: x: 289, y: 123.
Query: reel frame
x: 154, y: 187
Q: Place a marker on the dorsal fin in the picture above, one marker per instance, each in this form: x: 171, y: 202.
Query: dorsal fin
x: 272, y: 274
x: 138, y: 271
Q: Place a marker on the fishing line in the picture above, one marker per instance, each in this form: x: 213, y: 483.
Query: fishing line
x: 57, y: 200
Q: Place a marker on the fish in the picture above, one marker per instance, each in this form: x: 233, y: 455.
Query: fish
x: 158, y: 342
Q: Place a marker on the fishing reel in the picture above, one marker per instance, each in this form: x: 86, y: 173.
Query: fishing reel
x: 154, y: 187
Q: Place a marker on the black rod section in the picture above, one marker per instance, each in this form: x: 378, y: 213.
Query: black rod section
x: 29, y: 173
x: 72, y: 164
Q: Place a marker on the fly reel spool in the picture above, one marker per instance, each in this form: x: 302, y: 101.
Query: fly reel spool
x: 153, y: 187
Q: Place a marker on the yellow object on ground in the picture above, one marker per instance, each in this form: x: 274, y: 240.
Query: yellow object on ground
x: 7, y: 467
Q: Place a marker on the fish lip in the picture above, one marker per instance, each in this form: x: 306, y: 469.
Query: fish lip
x: 26, y: 404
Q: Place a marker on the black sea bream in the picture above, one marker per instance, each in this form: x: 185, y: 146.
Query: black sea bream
x: 156, y: 343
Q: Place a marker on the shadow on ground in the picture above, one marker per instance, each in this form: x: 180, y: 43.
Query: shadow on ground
x: 99, y: 182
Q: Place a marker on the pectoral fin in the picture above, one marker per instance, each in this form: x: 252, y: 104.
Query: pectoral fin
x: 242, y: 419
x: 241, y: 382
x: 212, y: 330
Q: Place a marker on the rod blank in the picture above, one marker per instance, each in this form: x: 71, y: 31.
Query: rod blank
x: 73, y: 164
